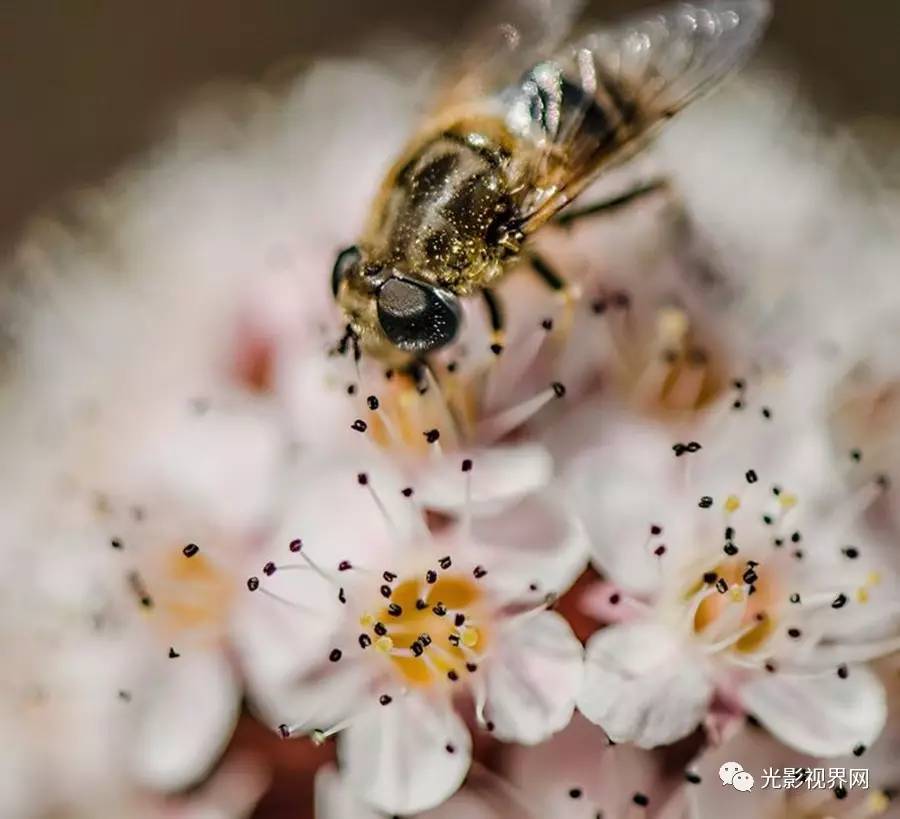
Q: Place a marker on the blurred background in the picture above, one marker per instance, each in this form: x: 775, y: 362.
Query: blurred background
x: 84, y: 83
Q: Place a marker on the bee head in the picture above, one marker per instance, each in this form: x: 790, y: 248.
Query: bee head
x: 413, y: 314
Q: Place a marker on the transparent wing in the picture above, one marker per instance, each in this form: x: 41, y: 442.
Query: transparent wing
x: 675, y: 54
x: 598, y: 98
x: 500, y: 44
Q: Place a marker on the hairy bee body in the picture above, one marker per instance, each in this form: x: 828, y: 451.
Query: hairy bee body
x: 458, y: 206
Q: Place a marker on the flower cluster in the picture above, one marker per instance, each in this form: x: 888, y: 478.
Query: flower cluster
x: 651, y: 529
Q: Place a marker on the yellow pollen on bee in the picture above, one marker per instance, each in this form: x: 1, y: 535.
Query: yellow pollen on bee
x: 469, y: 637
x: 787, y: 500
x: 384, y: 644
x: 732, y: 503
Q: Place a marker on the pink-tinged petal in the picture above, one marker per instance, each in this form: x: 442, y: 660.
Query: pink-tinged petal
x: 533, y: 678
x: 407, y: 756
x: 606, y: 603
x: 500, y: 476
x: 188, y: 716
x: 823, y: 716
x: 578, y: 773
x: 642, y: 686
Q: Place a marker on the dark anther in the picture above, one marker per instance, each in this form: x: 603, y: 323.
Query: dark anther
x: 384, y: 699
x: 269, y: 569
x: 432, y: 435
x: 364, y: 641
x: 479, y: 572
x: 693, y: 446
x: 496, y: 349
x: 295, y: 545
x: 335, y: 655
x: 431, y: 576
x: 729, y: 533
x: 660, y: 550
x: 344, y: 565
x: 766, y: 413
x: 359, y: 425
x: 284, y: 731
x: 253, y: 583
x: 795, y: 538
x: 372, y: 402
x: 386, y: 591
x: 710, y: 577
x: 843, y: 672
x: 421, y: 605
x: 341, y: 596
x: 190, y: 550
x: 440, y: 609
x: 380, y: 629
x: 558, y: 389
x: 721, y: 585
x: 693, y: 778
x: 116, y: 543
x: 467, y: 465
x: 598, y: 307
x: 452, y: 675
x: 851, y: 552
x: 173, y: 654
x: 575, y: 793
x: 394, y: 610
x: 839, y: 602
x: 389, y: 577
x: 730, y: 549
x: 445, y: 563
x: 407, y: 492
x: 547, y: 324
x: 794, y: 633
x: 705, y: 502
x: 640, y: 799
x: 362, y: 479
x: 795, y: 598
x: 751, y: 476
x: 459, y: 619
x: 655, y: 530
x: 856, y: 455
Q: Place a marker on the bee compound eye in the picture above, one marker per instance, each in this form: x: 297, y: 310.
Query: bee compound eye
x: 416, y: 316
x: 347, y: 260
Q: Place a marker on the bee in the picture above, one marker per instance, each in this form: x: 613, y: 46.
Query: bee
x: 514, y: 145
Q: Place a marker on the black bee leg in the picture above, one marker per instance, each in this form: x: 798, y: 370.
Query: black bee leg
x: 495, y: 316
x: 567, y: 293
x: 571, y: 215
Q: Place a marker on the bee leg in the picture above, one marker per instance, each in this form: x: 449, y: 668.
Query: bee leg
x: 569, y: 216
x: 495, y: 316
x: 567, y: 293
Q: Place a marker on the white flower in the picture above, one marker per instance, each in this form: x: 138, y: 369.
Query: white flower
x: 791, y: 784
x: 737, y: 557
x: 574, y: 774
x: 376, y: 627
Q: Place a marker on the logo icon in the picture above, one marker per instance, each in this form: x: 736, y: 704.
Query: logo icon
x: 733, y: 773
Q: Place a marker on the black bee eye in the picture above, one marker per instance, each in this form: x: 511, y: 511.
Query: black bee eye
x: 416, y: 316
x: 346, y: 261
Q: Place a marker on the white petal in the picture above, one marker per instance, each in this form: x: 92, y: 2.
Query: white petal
x: 396, y: 757
x: 619, y: 491
x: 533, y: 678
x: 822, y: 716
x: 192, y: 708
x: 500, y: 476
x: 334, y: 800
x: 538, y: 541
x: 640, y: 687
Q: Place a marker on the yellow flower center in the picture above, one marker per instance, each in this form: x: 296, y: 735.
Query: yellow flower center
x: 431, y: 630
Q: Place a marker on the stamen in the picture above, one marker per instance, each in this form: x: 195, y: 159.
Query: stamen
x: 495, y: 427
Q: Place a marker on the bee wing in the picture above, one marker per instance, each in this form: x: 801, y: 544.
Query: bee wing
x: 600, y: 97
x: 502, y: 43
